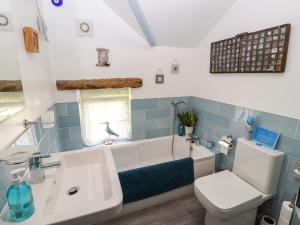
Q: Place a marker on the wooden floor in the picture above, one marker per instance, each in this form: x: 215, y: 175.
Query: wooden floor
x: 184, y: 211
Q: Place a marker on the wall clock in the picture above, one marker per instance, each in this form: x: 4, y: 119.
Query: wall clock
x: 84, y: 28
x: 5, y: 21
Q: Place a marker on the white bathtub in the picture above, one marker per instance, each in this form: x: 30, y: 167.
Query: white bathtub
x: 143, y: 153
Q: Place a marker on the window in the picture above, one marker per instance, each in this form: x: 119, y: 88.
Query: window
x: 10, y: 103
x: 100, y: 106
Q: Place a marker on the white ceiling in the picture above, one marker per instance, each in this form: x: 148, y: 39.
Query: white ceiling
x: 176, y: 23
x: 123, y: 10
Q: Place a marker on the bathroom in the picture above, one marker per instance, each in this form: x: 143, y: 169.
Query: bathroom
x: 133, y: 112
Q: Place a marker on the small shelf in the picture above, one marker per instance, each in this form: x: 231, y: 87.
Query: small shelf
x: 11, y: 86
x: 99, y: 83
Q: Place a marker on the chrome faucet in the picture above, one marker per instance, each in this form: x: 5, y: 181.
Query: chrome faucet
x: 192, y: 139
x: 37, y: 167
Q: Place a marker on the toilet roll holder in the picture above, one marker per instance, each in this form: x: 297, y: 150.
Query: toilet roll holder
x: 227, y: 142
x: 47, y: 120
x: 296, y: 172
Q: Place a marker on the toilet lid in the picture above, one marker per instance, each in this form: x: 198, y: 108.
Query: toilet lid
x: 226, y: 191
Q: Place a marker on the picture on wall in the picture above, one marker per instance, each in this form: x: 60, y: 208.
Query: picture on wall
x: 31, y: 40
x: 263, y: 51
x: 175, y: 68
x: 103, y: 57
x: 159, y: 78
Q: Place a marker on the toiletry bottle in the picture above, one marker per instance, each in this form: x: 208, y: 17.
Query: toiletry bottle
x: 19, y: 197
x: 249, y: 127
x: 210, y: 145
x: 180, y: 129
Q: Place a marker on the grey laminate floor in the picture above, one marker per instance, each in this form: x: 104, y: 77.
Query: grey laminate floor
x: 183, y: 211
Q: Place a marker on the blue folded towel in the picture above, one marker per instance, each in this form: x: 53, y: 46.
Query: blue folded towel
x: 141, y: 183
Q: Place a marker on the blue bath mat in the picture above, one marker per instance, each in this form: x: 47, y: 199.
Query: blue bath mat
x: 141, y: 183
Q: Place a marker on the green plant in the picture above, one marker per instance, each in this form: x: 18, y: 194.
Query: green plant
x: 189, y: 119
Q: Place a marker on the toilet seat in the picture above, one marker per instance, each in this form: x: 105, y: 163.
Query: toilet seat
x: 224, y: 194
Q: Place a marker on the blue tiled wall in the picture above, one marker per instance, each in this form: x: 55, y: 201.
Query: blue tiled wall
x: 150, y: 118
x: 153, y: 118
x: 69, y: 126
x: 43, y: 140
x: 218, y: 119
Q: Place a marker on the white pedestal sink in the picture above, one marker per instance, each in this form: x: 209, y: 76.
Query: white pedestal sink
x: 91, y: 177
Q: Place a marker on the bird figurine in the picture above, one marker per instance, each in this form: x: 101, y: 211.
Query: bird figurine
x: 109, y: 130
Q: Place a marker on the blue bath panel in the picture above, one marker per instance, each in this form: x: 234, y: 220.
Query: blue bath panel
x: 142, y: 183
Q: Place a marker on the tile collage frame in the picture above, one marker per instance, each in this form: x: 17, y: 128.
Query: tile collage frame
x: 263, y: 51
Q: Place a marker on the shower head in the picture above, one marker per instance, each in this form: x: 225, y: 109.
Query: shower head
x: 179, y: 102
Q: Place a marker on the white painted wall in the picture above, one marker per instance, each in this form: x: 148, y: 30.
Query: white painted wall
x: 123, y: 10
x: 35, y: 73
x: 274, y: 93
x: 181, y: 23
x: 9, y: 69
x: 75, y: 57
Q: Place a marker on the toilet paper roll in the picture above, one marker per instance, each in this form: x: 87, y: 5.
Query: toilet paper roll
x: 48, y: 126
x: 285, y: 213
x: 224, y: 144
x: 267, y: 220
x: 224, y: 150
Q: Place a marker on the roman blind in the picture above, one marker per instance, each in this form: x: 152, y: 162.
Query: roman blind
x: 100, y: 106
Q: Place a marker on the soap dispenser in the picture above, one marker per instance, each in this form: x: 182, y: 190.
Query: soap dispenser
x: 19, y: 197
x: 249, y: 127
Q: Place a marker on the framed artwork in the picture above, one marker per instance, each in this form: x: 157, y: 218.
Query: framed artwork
x: 31, y: 40
x: 263, y: 51
x: 103, y: 57
x: 175, y: 68
x: 159, y: 78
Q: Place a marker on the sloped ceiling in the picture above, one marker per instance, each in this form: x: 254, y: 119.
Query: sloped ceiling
x: 176, y: 23
x: 123, y: 10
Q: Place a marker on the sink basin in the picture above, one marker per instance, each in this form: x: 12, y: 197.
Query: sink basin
x: 84, y: 190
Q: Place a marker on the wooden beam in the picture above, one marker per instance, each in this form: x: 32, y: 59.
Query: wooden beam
x: 11, y: 86
x: 98, y: 83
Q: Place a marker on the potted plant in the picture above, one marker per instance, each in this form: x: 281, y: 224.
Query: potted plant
x: 189, y: 120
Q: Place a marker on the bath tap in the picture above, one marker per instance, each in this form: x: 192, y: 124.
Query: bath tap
x: 192, y: 139
x: 37, y: 167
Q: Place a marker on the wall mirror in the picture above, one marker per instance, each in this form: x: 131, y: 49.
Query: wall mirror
x: 11, y: 91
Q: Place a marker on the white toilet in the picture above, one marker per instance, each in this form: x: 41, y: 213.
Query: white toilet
x: 232, y: 198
